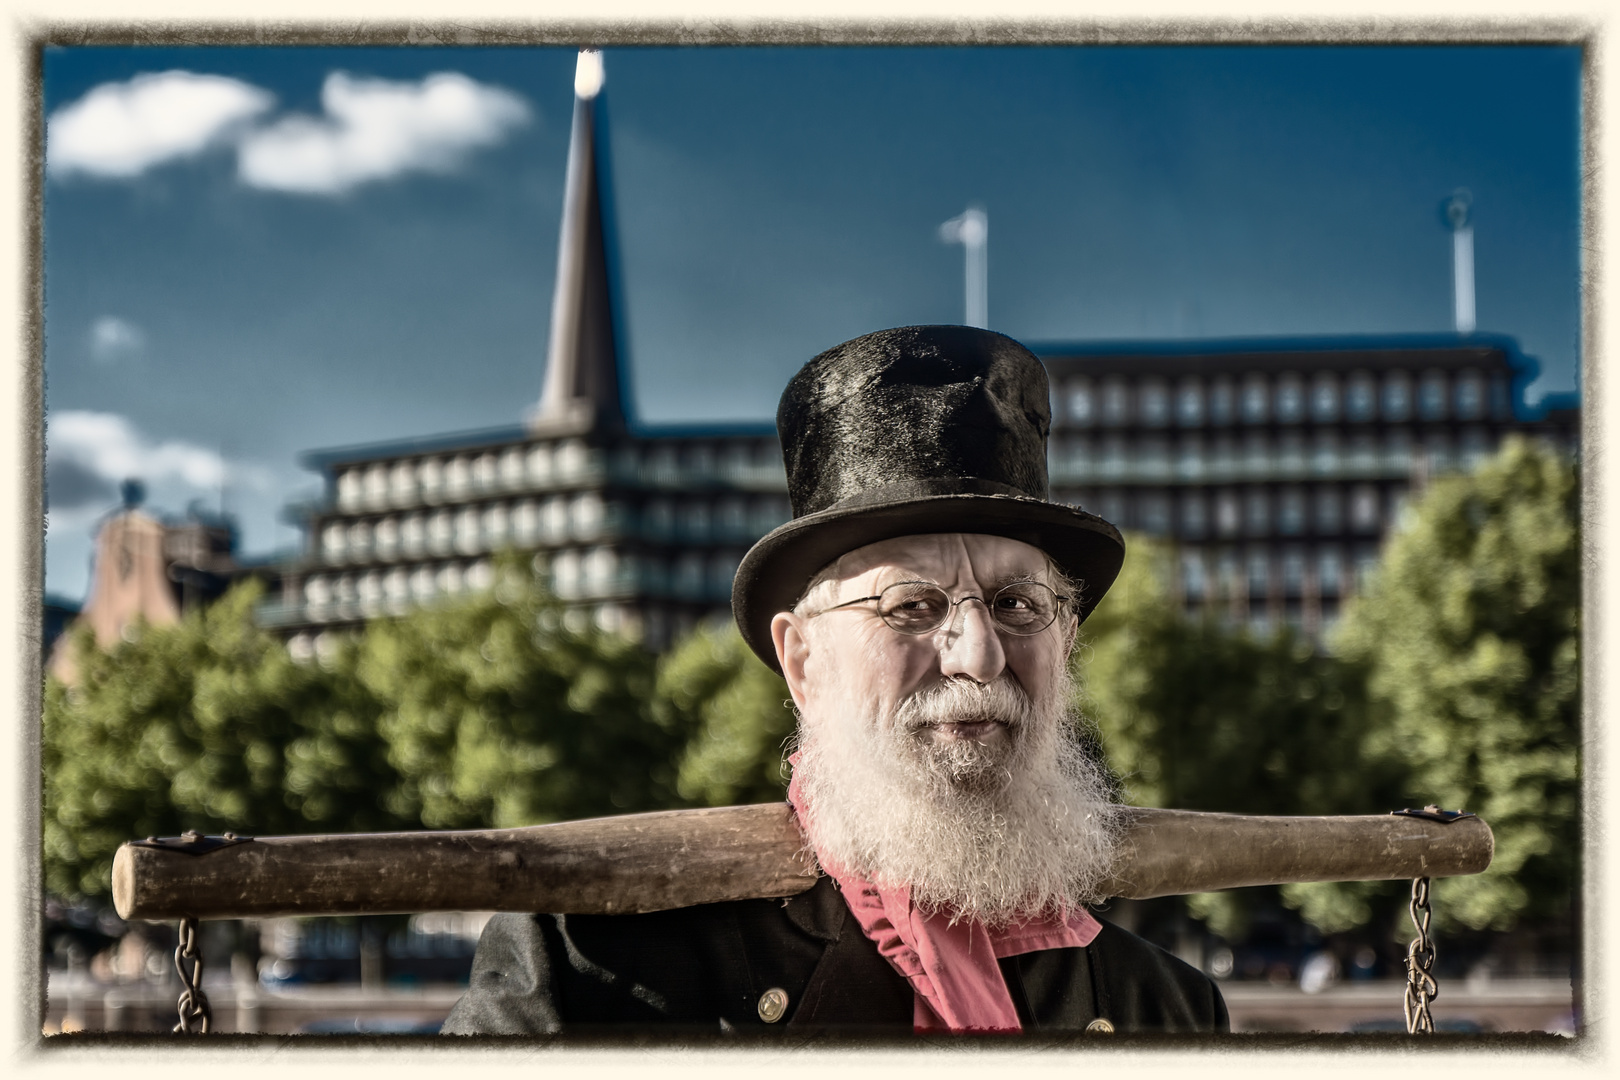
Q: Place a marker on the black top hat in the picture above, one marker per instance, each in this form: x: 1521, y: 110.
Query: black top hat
x: 922, y: 429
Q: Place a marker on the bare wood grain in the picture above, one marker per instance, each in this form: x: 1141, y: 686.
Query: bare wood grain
x: 653, y: 862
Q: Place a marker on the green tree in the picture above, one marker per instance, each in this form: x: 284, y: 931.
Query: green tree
x: 210, y: 725
x: 1196, y: 716
x: 1470, y: 631
x: 496, y: 713
x: 737, y: 712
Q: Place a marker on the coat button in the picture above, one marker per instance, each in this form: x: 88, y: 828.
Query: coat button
x: 773, y: 1005
x: 1101, y: 1025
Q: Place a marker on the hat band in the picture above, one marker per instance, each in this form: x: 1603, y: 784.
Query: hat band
x: 906, y: 490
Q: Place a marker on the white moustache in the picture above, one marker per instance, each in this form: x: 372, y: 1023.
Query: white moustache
x: 958, y: 701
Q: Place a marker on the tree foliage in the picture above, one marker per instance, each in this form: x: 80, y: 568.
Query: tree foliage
x: 1470, y: 632
x: 1197, y: 716
x: 738, y: 713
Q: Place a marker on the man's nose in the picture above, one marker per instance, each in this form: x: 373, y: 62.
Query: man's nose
x: 969, y: 644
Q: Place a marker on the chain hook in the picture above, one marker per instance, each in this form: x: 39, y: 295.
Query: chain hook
x: 195, y: 1013
x: 1421, y: 988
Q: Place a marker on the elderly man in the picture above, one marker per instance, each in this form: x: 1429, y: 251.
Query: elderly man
x: 922, y: 605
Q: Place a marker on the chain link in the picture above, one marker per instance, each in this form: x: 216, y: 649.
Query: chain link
x: 1421, y: 988
x: 195, y: 1015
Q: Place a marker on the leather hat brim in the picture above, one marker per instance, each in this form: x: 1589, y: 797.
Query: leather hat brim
x: 776, y: 571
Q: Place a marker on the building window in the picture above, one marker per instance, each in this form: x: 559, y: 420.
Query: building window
x: 769, y: 512
x: 571, y: 460
x: 1364, y: 508
x: 1153, y: 463
x: 525, y: 522
x: 565, y: 574
x: 1325, y: 458
x: 1194, y: 520
x: 317, y: 593
x: 722, y: 569
x: 441, y: 533
x: 1470, y: 391
x: 687, y: 579
x: 700, y: 461
x: 350, y: 489
x: 422, y: 584
x: 1291, y: 512
x: 386, y: 538
x: 1290, y: 399
x: 554, y: 520
x: 1155, y: 508
x: 467, y: 538
x: 1361, y: 397
x: 1329, y: 511
x: 1325, y: 397
x: 512, y: 468
x: 1293, y: 571
x: 413, y: 534
x: 1228, y: 516
x: 1437, y: 450
x: 359, y: 540
x: 737, y: 462
x: 371, y: 593
x: 658, y: 519
x: 662, y: 465
x: 377, y: 486
x: 1398, y: 450
x: 587, y: 516
x: 495, y: 526
x: 1432, y: 395
x: 1194, y: 582
x: 601, y: 567
x: 1222, y: 401
x: 1257, y: 455
x: 1112, y: 508
x: 486, y: 472
x: 1115, y: 460
x: 1190, y: 402
x: 397, y: 589
x: 1116, y: 403
x: 538, y: 464
x: 334, y: 542
x: 1223, y: 458
x: 1254, y: 399
x: 1329, y: 570
x: 1082, y: 405
x: 430, y: 475
x: 1291, y: 453
x: 1190, y: 463
x: 1257, y: 512
x: 1501, y: 407
x: 1155, y: 403
x: 480, y: 575
x: 458, y: 478
x: 1476, y: 447
x: 1364, y: 452
x: 402, y: 483
x: 1076, y: 459
x: 1259, y: 572
x: 731, y: 518
x: 694, y: 521
x: 1397, y: 396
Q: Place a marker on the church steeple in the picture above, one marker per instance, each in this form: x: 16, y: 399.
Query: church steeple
x: 582, y: 362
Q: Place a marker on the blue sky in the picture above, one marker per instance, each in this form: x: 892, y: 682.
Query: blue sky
x: 255, y: 252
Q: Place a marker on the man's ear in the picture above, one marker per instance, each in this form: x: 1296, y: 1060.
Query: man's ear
x: 789, y: 633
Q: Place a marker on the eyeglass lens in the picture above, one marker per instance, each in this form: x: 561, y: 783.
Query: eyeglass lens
x: 917, y: 607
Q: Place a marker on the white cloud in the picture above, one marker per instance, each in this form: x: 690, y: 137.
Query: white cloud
x: 108, y: 446
x: 123, y: 129
x: 112, y: 338
x: 374, y: 129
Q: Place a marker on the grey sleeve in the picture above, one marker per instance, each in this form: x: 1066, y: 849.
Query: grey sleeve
x: 510, y: 991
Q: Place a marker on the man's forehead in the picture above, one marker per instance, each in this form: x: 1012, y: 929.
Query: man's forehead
x: 936, y: 555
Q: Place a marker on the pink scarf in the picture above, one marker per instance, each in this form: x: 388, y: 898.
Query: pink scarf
x: 952, y: 968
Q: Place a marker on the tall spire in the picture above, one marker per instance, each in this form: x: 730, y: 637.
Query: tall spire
x: 582, y: 369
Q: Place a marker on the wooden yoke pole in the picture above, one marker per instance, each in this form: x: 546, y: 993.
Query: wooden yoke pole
x: 653, y: 862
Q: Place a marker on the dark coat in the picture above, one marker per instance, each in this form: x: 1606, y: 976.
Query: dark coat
x: 706, y: 968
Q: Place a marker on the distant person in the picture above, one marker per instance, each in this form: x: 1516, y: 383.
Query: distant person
x: 922, y: 605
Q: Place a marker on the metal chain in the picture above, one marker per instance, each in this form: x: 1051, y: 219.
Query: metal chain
x: 195, y: 1014
x: 1420, y: 985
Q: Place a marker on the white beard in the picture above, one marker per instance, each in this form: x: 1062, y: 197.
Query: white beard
x: 995, y: 833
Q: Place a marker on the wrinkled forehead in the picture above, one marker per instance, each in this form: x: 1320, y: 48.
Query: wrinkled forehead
x: 952, y: 559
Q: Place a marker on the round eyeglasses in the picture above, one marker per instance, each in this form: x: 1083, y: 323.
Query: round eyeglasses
x: 1022, y: 608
